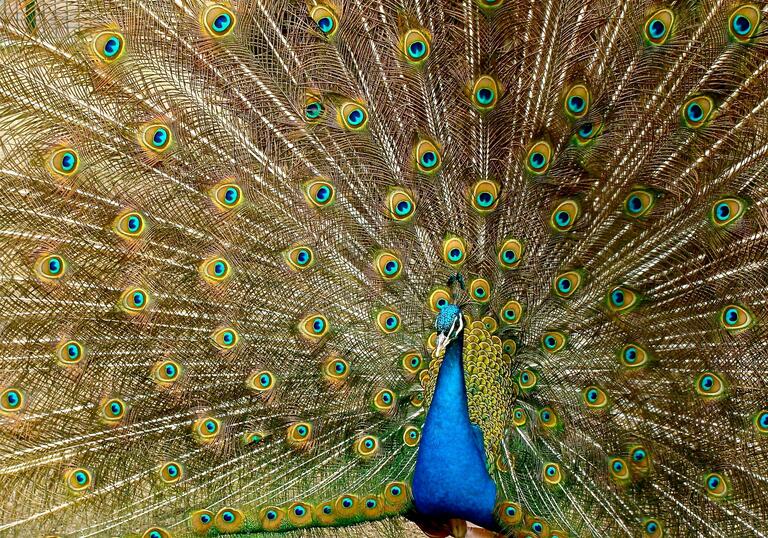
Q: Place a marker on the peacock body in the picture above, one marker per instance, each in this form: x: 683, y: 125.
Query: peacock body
x: 321, y: 268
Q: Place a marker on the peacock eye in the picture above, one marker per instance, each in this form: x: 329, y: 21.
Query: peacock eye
x: 528, y: 380
x: 50, y: 267
x: 400, y: 204
x: 353, y: 116
x: 696, y: 111
x: 411, y: 436
x: 226, y: 338
x: 388, y: 321
x: 510, y: 253
x: 567, y: 283
x: 319, y: 193
x: 552, y: 475
x: 218, y: 20
x: 313, y: 108
x: 539, y: 155
x: 709, y: 385
x: 63, y: 162
x: 509, y: 513
x: 299, y: 434
x: 326, y: 20
x: 427, y: 155
x: 735, y: 318
x: 206, y: 428
x: 314, y: 326
x: 743, y: 23
x: 484, y: 196
x: 366, y: 447
x: 618, y: 469
x: 511, y: 312
x: 261, y: 381
x: 633, y: 356
x: 11, y: 400
x: 299, y: 257
x: 271, y: 518
x: 134, y: 300
x: 438, y: 298
x: 171, y: 472
x: 201, y: 521
x: 553, y: 341
x: 384, y: 401
x: 564, y: 216
x: 621, y: 299
x: 454, y: 251
x: 485, y: 93
x: 726, y: 211
x: 166, y: 371
x: 519, y: 417
x: 227, y: 195
x: 108, y: 46
x: 638, y: 203
x: 480, y: 290
x: 388, y: 265
x: 336, y: 370
x: 657, y: 27
x: 229, y: 520
x: 594, y: 397
x: 215, y: 270
x: 715, y: 485
x: 587, y: 132
x: 761, y: 421
x: 416, y: 46
x: 69, y: 353
x: 155, y: 137
x: 577, y: 101
x: 113, y: 410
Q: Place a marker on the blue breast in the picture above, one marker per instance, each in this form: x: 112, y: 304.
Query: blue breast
x: 451, y: 479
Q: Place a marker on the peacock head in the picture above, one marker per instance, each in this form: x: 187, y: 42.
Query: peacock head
x: 449, y: 324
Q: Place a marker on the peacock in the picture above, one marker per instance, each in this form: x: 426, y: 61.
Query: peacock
x: 383, y: 268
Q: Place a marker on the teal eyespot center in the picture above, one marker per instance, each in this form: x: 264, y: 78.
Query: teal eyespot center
x: 302, y: 431
x: 303, y: 257
x: 325, y: 24
x: 651, y: 527
x: 54, y: 265
x: 563, y: 218
x: 138, y: 299
x: 219, y: 268
x: 485, y: 199
x: 396, y: 491
x: 346, y: 502
x: 713, y: 482
x: 634, y: 204
x: 264, y: 380
x: 413, y: 434
x: 73, y: 351
x: 370, y: 504
x: 550, y: 342
x: 509, y: 256
x: 228, y: 337
x: 695, y: 112
x: 485, y: 96
x: 115, y: 408
x: 134, y: 223
x: 160, y: 137
x: 417, y: 49
x: 510, y: 511
x: 68, y: 161
x: 391, y: 267
x: 657, y: 29
x: 154, y: 534
x: 617, y: 297
x: 391, y: 322
x: 313, y: 110
x: 340, y: 367
x: 386, y: 397
x: 112, y: 46
x: 592, y: 395
x: 537, y: 160
x: 299, y: 511
x: 172, y: 470
x: 13, y: 399
x: 618, y: 466
x: 205, y: 519
x: 707, y: 382
x: 585, y: 131
x: 630, y: 354
x: 564, y: 285
x: 479, y: 291
x: 355, y: 117
x: 327, y: 510
x: 546, y: 416
x: 429, y: 159
x: 722, y: 211
x: 323, y: 194
x: 231, y: 195
x: 576, y: 103
x: 537, y: 527
x: 763, y: 420
x: 741, y: 25
x: 222, y: 22
x: 551, y: 471
x: 81, y: 478
x: 318, y: 325
x: 731, y: 316
x: 403, y: 208
x: 638, y: 455
x: 271, y: 515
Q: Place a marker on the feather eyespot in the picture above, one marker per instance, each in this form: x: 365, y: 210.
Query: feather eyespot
x: 527, y: 380
x: 618, y: 469
x: 438, y: 298
x: 388, y: 321
x: 367, y: 446
x: 553, y: 341
x: 262, y: 381
x: 743, y: 23
x: 271, y: 518
x: 113, y: 410
x: 353, y: 116
x: 509, y: 347
x: 761, y: 422
x: 156, y: 532
x: 480, y: 290
x: 552, y: 474
x: 519, y: 417
x: 715, y: 485
x: 587, y: 132
x: 454, y: 251
x: 319, y: 193
x: 395, y: 496
x: 227, y: 195
x: 638, y: 203
x: 346, y: 506
x: 594, y: 397
x: 484, y: 196
x: 564, y: 216
x: 652, y: 528
x: 411, y: 436
x: 710, y: 385
x: 134, y: 300
x: 215, y: 270
x: 428, y: 159
x: 371, y: 507
x: 726, y: 211
x: 400, y: 204
x: 218, y: 20
x: 509, y: 513
x: 388, y: 265
x: 313, y: 108
x: 622, y: 300
x: 697, y: 110
x: 657, y: 27
x: 567, y: 283
x: 299, y: 514
x: 633, y: 356
x: 547, y: 418
x: 485, y: 93
x: 201, y: 521
x: 50, y: 267
x: 490, y: 324
x: 511, y: 313
x: 639, y: 459
x: 11, y: 400
x: 336, y: 370
x: 577, y: 101
x: 63, y: 162
x: 69, y: 352
x: 171, y: 472
x: 314, y: 326
x: 299, y: 257
x: 489, y: 4
x: 226, y: 338
x: 299, y: 434
x: 412, y: 362
x: 538, y: 157
x: 416, y: 46
x: 108, y: 46
x: 326, y: 20
x: 384, y: 401
x: 165, y: 372
x: 78, y: 480
x: 129, y: 224
x: 510, y: 254
x: 206, y: 429
x: 155, y: 137
x: 734, y: 318
x: 229, y: 520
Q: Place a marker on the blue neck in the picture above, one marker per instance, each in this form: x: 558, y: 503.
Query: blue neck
x: 451, y: 479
